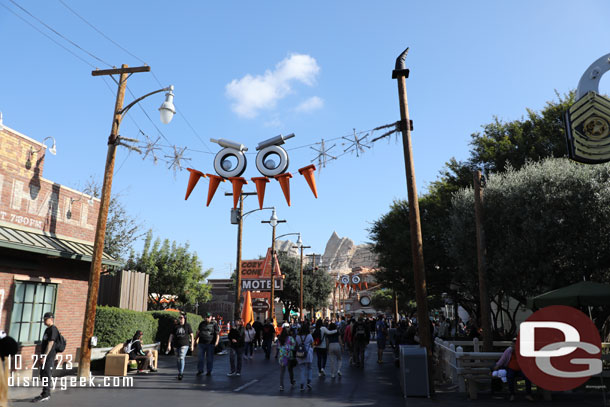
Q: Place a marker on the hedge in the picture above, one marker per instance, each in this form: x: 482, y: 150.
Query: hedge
x: 116, y: 325
x: 166, y: 323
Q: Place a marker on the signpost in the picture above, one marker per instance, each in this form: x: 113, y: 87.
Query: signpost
x: 260, y: 306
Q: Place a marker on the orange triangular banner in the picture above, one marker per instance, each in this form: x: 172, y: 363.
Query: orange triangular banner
x: 215, y: 180
x: 261, y: 183
x: 284, y: 180
x: 193, y: 179
x: 359, y: 286
x: 238, y: 183
x: 308, y: 172
x: 366, y: 285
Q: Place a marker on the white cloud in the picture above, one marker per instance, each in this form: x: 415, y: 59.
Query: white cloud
x: 311, y: 104
x: 251, y: 94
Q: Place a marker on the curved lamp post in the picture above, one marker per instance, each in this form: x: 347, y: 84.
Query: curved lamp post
x: 273, y: 221
x: 240, y: 219
x: 167, y: 111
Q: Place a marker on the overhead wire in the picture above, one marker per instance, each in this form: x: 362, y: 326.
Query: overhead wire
x: 59, y: 34
x: 101, y: 33
x: 48, y: 36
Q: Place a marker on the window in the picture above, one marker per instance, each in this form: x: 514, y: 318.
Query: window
x: 32, y: 301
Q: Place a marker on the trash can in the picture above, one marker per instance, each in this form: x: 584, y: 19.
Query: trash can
x: 414, y: 371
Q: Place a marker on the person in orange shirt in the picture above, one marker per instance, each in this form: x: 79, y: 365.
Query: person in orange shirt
x: 509, y: 361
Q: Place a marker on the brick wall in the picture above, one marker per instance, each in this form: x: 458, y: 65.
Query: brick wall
x: 29, y: 201
x: 71, y: 296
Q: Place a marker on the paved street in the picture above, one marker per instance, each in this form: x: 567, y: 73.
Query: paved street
x: 377, y: 385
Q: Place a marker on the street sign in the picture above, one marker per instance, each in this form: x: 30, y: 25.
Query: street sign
x: 260, y: 306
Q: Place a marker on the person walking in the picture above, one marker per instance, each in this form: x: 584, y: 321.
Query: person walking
x: 182, y: 339
x: 348, y: 342
x: 360, y: 339
x: 258, y: 327
x: 249, y: 338
x: 47, y: 356
x: 207, y: 338
x: 236, y: 342
x: 286, y: 358
x: 304, y: 355
x: 334, y: 350
x: 509, y: 362
x: 382, y: 334
x: 320, y: 345
x: 268, y: 334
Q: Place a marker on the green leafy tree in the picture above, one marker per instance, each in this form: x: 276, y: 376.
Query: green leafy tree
x: 173, y: 270
x: 122, y: 229
x: 317, y: 285
x: 546, y: 226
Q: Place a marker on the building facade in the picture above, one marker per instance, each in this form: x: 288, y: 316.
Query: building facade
x: 46, y: 243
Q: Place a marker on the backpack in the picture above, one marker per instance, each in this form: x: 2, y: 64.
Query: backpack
x: 127, y: 346
x: 359, y: 332
x: 60, y: 346
x: 317, y: 337
x: 301, y: 350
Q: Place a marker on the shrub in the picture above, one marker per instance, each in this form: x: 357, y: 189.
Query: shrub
x: 116, y: 325
x: 166, y: 323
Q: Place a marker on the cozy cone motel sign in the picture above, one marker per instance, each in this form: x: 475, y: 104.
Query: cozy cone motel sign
x: 256, y: 276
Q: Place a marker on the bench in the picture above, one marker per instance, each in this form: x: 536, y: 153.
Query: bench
x: 117, y: 362
x: 474, y: 368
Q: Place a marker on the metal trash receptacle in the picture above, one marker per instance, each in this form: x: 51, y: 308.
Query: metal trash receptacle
x: 414, y: 371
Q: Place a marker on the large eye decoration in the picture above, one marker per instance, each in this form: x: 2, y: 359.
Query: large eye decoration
x: 272, y: 159
x: 231, y: 160
x: 344, y: 279
x: 356, y: 280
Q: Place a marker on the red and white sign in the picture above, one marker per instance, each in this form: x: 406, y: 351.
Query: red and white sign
x: 559, y: 348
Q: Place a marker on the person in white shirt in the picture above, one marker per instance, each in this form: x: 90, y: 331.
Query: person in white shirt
x: 249, y: 338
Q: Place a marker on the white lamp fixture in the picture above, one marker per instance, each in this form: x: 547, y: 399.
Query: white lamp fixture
x: 299, y: 242
x: 53, y: 149
x: 167, y: 109
x: 273, y: 219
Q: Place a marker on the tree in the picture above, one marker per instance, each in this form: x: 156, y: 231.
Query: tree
x: 499, y: 146
x: 546, y: 226
x: 317, y: 285
x: 172, y: 270
x: 121, y: 228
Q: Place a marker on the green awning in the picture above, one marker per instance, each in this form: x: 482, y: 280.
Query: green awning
x: 49, y: 245
x: 584, y: 293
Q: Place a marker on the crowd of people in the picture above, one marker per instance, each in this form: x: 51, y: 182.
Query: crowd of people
x: 296, y: 344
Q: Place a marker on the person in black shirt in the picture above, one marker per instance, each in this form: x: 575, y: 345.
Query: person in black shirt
x: 47, y: 356
x: 182, y: 338
x: 237, y: 343
x: 258, y: 327
x: 207, y: 338
x: 145, y: 359
x: 268, y: 336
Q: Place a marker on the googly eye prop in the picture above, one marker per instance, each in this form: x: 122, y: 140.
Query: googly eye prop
x: 271, y: 161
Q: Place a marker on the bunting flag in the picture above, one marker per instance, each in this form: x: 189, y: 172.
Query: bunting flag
x: 366, y: 285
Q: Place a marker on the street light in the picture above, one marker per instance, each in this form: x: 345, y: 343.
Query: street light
x: 239, y: 215
x: 299, y: 245
x: 167, y: 112
x: 273, y: 221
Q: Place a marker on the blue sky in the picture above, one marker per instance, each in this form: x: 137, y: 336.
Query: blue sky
x: 247, y: 71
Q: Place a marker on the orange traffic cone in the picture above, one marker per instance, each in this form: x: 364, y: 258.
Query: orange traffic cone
x: 284, y: 180
x: 307, y: 172
x: 261, y: 183
x: 215, y: 180
x: 238, y: 183
x: 193, y: 180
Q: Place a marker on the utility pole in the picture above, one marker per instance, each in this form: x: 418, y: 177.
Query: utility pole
x: 240, y: 216
x: 482, y: 262
x: 401, y: 74
x: 395, y: 306
x: 84, y: 363
x: 301, y: 276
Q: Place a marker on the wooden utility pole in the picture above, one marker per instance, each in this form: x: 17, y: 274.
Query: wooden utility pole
x: 482, y: 263
x: 84, y: 363
x: 237, y: 312
x: 395, y: 306
x: 301, y: 276
x: 401, y: 74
